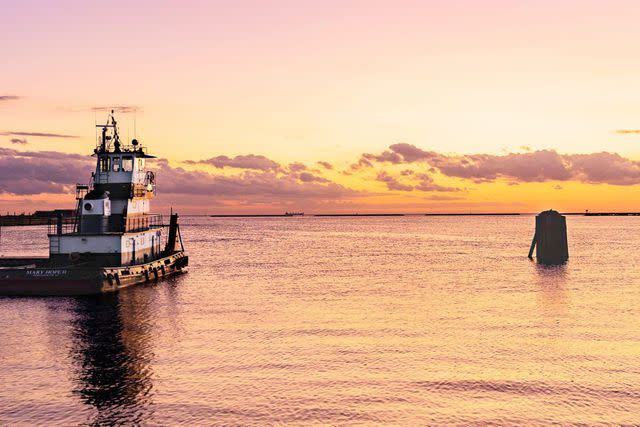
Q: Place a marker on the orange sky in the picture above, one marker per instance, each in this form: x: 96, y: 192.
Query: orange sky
x: 330, y: 81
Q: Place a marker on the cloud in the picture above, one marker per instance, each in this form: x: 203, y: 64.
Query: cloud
x: 36, y: 172
x: 257, y: 182
x: 627, y: 131
x: 398, y: 154
x: 603, y: 168
x: 47, y: 155
x: 9, y: 98
x: 411, y: 153
x: 427, y: 184
x: 385, y: 156
x: 534, y: 166
x: 251, y: 186
x: 297, y: 167
x: 249, y: 161
x: 325, y: 165
x: 28, y: 173
x: 363, y: 162
x: 392, y: 183
x: 38, y: 134
x: 118, y: 109
x: 544, y: 165
x: 307, y: 177
x: 22, y: 141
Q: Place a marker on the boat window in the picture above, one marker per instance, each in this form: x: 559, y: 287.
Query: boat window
x: 127, y: 163
x: 115, y: 164
x: 104, y: 164
x: 140, y: 164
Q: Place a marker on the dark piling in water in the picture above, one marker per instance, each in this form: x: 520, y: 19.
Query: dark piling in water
x: 550, y: 238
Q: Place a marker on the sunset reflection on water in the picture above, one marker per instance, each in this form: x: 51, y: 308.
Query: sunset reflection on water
x: 405, y: 321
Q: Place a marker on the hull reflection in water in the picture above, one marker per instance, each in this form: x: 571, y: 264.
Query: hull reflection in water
x: 112, y: 355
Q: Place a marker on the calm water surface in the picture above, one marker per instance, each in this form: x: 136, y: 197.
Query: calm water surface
x: 401, y: 321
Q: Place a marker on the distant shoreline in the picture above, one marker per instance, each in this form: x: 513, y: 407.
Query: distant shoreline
x: 355, y: 215
x: 414, y: 214
x: 26, y: 220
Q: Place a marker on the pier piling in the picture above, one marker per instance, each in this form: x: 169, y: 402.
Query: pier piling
x: 550, y: 238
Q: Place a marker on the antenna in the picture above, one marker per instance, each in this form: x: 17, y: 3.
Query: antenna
x: 135, y: 111
x: 95, y: 125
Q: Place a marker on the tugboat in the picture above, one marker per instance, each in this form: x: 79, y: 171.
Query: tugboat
x: 114, y: 241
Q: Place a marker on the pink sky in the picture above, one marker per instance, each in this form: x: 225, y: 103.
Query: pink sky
x: 311, y: 81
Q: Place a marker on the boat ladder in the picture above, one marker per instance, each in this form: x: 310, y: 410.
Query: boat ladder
x: 54, y: 244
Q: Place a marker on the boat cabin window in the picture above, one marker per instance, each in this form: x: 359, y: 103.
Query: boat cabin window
x: 127, y: 163
x: 115, y: 164
x: 140, y: 164
x: 104, y: 164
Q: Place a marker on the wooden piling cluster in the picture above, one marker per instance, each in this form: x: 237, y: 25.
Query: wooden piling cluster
x: 550, y: 238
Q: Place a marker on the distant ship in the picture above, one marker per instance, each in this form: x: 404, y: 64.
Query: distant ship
x: 294, y: 214
x: 114, y: 241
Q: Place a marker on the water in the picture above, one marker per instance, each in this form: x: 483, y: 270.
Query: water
x: 401, y: 321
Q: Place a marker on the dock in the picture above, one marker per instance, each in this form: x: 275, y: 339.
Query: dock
x: 33, y: 219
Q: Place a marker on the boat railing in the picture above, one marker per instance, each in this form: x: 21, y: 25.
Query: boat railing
x: 133, y: 223
x: 64, y: 225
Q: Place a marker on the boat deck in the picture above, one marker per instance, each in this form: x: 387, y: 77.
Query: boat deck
x: 23, y: 276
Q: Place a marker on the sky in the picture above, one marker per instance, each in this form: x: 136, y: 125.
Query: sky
x: 329, y: 106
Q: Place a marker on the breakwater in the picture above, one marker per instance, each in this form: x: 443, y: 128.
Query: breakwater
x: 29, y: 219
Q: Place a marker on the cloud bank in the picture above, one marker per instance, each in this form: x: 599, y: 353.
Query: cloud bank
x: 254, y: 181
x: 249, y: 161
x: 118, y: 109
x: 38, y: 134
x: 37, y: 172
x: 534, y: 166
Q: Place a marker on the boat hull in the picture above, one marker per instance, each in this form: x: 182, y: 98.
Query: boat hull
x: 34, y: 280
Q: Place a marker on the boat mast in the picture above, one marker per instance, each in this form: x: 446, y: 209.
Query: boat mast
x: 105, y: 137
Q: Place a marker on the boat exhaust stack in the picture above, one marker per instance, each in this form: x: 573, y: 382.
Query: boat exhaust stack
x: 173, y: 233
